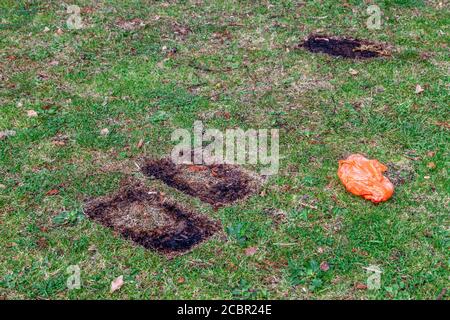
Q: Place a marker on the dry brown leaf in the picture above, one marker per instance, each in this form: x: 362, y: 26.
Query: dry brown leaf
x: 52, y: 192
x: 431, y: 165
x: 360, y: 286
x: 324, y: 266
x: 104, y: 131
x: 116, y: 284
x: 250, y: 251
x: 419, y: 89
x: 31, y: 113
x: 181, y: 280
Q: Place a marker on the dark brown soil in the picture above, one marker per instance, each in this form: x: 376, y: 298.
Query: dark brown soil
x: 151, y: 220
x: 345, y: 47
x: 217, y: 184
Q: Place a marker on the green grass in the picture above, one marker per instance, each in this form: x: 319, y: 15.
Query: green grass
x: 81, y: 81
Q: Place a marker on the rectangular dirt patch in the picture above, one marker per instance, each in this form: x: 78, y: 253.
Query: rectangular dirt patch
x: 217, y: 184
x: 151, y: 220
x: 345, y: 47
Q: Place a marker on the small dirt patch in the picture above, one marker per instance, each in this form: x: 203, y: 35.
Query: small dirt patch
x: 151, y: 220
x: 400, y: 173
x: 217, y: 184
x: 345, y: 47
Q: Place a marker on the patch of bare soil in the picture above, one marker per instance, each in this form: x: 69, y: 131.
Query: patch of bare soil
x: 400, y: 173
x: 345, y: 47
x: 217, y: 184
x: 151, y: 220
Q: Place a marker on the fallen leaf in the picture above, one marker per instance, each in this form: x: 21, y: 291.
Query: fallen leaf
x: 140, y: 143
x: 32, y: 113
x: 46, y: 29
x: 2, y: 186
x: 87, y: 10
x: 419, y: 89
x: 59, y: 31
x: 431, y: 165
x: 52, y: 192
x: 116, y: 284
x: 324, y: 266
x: 104, y: 131
x: 250, y: 251
x: 353, y: 72
x: 431, y: 153
x: 360, y: 286
x: 58, y: 143
x: 427, y: 177
x: 180, y: 280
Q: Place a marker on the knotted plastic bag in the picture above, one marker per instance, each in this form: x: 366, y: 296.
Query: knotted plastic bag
x: 364, y: 177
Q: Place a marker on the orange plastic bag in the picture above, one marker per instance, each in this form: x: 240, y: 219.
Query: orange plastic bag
x: 364, y: 177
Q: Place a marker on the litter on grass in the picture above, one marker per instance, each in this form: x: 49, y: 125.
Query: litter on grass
x: 364, y: 177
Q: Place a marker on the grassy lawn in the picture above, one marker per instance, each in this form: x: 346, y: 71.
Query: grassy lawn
x: 142, y: 69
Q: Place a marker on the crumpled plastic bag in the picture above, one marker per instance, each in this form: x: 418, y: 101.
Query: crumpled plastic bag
x: 364, y: 177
